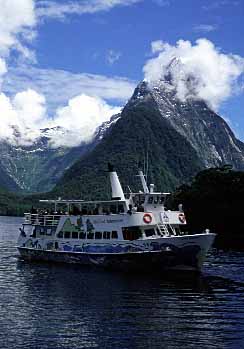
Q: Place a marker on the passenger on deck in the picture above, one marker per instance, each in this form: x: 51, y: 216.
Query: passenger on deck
x: 22, y: 232
x: 33, y: 210
x: 130, y: 210
x: 84, y: 211
x: 140, y: 208
x: 76, y: 211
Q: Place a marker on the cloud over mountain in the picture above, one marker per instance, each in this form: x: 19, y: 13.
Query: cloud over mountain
x: 202, y: 71
x: 25, y: 115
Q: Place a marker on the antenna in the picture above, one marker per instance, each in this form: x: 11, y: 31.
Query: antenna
x: 146, y: 172
x: 142, y: 178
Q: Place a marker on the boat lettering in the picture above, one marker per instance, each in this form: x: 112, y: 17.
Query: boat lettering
x: 114, y: 220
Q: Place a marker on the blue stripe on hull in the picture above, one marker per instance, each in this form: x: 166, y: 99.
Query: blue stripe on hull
x: 187, y: 258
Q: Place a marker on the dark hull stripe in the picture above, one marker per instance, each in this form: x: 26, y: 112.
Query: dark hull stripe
x: 154, y: 260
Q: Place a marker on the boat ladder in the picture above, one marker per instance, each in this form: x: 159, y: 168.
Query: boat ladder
x: 163, y: 229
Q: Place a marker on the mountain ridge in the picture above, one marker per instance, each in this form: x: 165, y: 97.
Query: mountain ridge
x: 184, y: 137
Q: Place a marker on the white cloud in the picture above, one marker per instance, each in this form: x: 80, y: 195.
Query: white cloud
x: 3, y: 70
x: 200, y: 71
x: 215, y: 5
x: 113, y: 56
x: 79, y: 120
x: 48, y: 8
x: 60, y: 86
x: 205, y: 28
x: 23, y: 117
x: 3, y: 67
x: 17, y: 18
x: 162, y: 2
x: 157, y: 46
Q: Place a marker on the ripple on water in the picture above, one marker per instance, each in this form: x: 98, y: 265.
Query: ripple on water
x: 67, y: 306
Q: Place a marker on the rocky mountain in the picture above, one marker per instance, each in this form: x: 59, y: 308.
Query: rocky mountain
x: 206, y: 131
x: 180, y: 138
x: 38, y: 167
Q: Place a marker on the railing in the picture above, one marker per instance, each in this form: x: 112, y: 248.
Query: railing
x: 42, y: 219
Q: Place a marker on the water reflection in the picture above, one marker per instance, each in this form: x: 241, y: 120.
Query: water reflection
x: 83, y: 307
x: 67, y: 306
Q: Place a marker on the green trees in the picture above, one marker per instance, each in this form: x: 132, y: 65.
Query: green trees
x: 215, y: 200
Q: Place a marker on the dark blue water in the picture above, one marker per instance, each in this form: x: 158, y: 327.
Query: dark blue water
x: 58, y: 306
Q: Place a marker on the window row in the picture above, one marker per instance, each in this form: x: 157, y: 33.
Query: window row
x: 87, y: 235
x: 135, y: 233
x: 39, y: 230
x: 156, y: 200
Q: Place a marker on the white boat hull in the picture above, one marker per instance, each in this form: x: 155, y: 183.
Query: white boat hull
x: 186, y: 253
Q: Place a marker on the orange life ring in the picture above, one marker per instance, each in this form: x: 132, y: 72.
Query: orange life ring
x: 147, y: 218
x: 182, y: 218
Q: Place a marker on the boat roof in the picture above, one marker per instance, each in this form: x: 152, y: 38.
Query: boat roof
x: 57, y: 201
x: 153, y: 193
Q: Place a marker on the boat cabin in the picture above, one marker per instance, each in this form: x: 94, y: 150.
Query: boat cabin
x: 140, y: 215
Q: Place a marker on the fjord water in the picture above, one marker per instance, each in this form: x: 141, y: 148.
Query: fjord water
x: 65, y: 306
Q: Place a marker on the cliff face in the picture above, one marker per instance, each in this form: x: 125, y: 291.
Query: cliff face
x: 33, y: 168
x: 180, y: 139
x: 207, y: 132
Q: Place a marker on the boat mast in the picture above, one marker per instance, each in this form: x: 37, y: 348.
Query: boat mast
x: 143, y: 182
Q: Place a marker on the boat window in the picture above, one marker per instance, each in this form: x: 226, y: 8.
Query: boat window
x: 74, y: 234
x: 149, y: 232
x: 90, y: 235
x: 82, y: 235
x: 67, y: 234
x: 60, y: 234
x: 150, y: 199
x: 121, y: 209
x: 98, y: 235
x: 131, y: 233
x: 114, y: 234
x: 113, y: 209
x: 106, y: 234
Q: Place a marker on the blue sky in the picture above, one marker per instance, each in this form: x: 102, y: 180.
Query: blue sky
x: 81, y: 43
x: 63, y: 49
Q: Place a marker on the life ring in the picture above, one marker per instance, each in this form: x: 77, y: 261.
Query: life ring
x: 147, y: 218
x: 182, y: 218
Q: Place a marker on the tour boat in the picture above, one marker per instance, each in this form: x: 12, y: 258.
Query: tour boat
x: 129, y: 232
